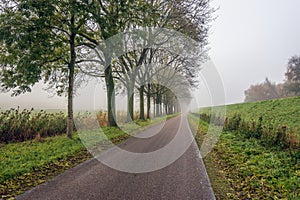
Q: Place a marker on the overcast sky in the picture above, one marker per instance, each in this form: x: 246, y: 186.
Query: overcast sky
x: 252, y: 40
x: 249, y: 41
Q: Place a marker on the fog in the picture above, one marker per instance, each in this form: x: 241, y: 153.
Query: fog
x: 252, y: 40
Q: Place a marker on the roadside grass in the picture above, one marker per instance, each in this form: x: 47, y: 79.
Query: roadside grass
x: 220, y: 184
x: 242, y: 168
x: 255, y: 171
x: 25, y: 165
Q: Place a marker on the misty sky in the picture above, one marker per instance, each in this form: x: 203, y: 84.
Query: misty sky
x: 249, y: 41
x: 252, y: 40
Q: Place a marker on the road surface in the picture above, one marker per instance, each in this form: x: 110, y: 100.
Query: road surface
x: 186, y: 178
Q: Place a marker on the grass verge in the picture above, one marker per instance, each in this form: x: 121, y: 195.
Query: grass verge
x: 242, y: 168
x: 27, y: 164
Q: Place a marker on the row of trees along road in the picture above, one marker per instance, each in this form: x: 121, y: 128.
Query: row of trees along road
x: 46, y: 41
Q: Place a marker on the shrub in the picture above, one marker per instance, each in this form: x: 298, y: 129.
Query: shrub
x: 19, y: 125
x: 267, y: 132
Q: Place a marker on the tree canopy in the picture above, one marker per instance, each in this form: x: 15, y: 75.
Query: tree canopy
x: 292, y: 84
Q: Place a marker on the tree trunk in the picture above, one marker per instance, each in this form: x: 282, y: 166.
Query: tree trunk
x: 148, y: 102
x: 161, y: 110
x: 71, y: 66
x: 110, y: 86
x: 142, y: 112
x: 171, y: 107
x: 70, y: 103
x: 154, y: 107
x: 176, y: 105
x: 130, y: 104
x: 166, y: 109
x: 158, y: 105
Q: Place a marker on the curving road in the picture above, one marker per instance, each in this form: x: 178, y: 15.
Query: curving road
x: 185, y: 178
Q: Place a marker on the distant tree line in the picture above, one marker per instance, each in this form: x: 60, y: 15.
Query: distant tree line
x: 269, y: 90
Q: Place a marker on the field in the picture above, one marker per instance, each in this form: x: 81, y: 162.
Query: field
x: 255, y: 157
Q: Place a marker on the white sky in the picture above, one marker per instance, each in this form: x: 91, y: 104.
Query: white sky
x: 250, y: 40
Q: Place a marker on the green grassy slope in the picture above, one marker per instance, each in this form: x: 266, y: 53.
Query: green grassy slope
x: 279, y: 111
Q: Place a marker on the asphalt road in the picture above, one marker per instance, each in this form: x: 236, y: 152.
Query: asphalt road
x: 185, y: 178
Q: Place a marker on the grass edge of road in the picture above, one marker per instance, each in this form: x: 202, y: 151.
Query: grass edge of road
x: 25, y: 165
x: 241, y: 168
x: 221, y: 187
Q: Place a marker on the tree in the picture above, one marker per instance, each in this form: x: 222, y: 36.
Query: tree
x: 263, y: 91
x: 113, y: 17
x: 190, y: 17
x: 38, y: 42
x: 292, y: 84
x: 48, y: 36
